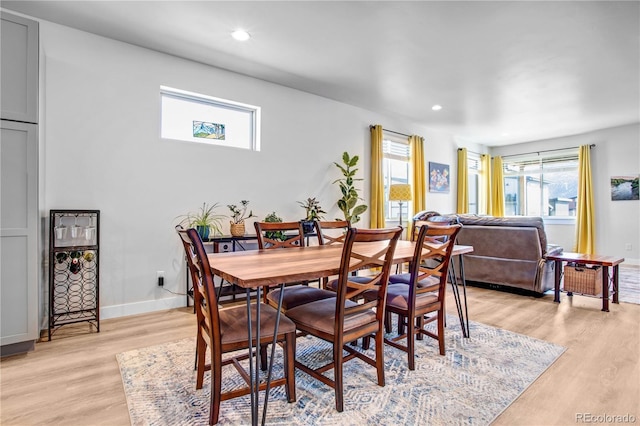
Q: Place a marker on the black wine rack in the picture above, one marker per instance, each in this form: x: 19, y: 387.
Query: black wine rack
x: 74, y: 239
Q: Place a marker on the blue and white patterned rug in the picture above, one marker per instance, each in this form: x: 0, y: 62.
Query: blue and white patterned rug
x: 471, y: 384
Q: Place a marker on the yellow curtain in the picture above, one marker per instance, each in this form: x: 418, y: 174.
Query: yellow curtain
x: 585, y: 210
x: 497, y: 188
x: 377, y: 179
x: 484, y: 192
x: 463, y: 182
x: 417, y: 165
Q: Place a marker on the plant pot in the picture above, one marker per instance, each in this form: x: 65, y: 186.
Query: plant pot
x: 203, y: 231
x: 237, y: 229
x: 308, y: 226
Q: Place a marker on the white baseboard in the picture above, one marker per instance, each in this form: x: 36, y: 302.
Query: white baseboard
x: 116, y: 311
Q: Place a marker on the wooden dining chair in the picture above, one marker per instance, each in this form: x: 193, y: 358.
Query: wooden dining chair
x: 286, y: 235
x: 331, y: 232
x: 224, y: 330
x: 339, y: 320
x: 425, y: 293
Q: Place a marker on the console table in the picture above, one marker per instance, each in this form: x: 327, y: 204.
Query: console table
x: 590, y: 259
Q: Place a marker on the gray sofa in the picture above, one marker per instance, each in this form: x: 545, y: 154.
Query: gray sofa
x: 508, y: 251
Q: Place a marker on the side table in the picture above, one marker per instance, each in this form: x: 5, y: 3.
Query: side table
x: 590, y: 259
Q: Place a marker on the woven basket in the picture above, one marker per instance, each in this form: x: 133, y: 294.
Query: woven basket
x: 583, y: 279
x: 237, y: 229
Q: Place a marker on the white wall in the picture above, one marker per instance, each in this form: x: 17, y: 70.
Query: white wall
x: 617, y: 153
x: 102, y: 150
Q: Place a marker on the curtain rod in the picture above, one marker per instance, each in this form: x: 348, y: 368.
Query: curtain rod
x: 548, y: 150
x: 371, y: 126
x: 473, y: 152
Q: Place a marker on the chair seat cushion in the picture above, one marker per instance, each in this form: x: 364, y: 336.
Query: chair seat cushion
x: 234, y: 323
x: 398, y: 296
x: 320, y: 315
x: 333, y: 284
x: 298, y: 295
x: 406, y: 278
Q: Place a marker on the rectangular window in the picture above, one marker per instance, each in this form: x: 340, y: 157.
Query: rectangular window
x: 396, y: 168
x: 544, y: 184
x: 194, y: 117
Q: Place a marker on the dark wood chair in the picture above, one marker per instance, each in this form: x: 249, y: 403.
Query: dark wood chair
x: 224, y: 330
x: 286, y: 235
x: 425, y: 293
x: 331, y: 232
x: 338, y: 319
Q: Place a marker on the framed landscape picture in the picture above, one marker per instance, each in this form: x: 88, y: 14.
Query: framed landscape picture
x: 439, y: 177
x: 624, y: 188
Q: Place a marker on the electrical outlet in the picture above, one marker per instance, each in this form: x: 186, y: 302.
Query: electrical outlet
x: 628, y: 247
x: 160, y: 276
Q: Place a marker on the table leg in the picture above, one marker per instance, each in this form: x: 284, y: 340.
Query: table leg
x: 615, y: 284
x: 464, y: 291
x: 605, y: 289
x: 558, y: 270
x: 254, y: 372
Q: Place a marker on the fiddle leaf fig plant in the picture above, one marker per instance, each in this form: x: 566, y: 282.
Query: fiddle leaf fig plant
x: 348, y: 204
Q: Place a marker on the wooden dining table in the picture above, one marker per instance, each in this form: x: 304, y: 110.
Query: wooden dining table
x: 255, y: 269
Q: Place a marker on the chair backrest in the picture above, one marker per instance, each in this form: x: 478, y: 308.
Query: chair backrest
x: 205, y: 299
x: 365, y: 248
x: 434, y: 219
x: 431, y: 258
x: 332, y: 231
x: 273, y: 235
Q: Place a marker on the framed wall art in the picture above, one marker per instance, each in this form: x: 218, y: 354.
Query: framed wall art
x: 439, y: 177
x: 624, y: 188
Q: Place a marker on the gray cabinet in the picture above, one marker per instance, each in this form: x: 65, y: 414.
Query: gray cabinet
x: 19, y: 69
x: 18, y: 236
x: 19, y: 212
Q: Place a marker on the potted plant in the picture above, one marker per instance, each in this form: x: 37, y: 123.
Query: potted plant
x: 348, y: 203
x: 274, y: 235
x: 314, y: 212
x: 238, y: 216
x: 204, y: 220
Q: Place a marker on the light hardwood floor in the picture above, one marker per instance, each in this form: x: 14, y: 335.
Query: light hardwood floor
x: 74, y: 380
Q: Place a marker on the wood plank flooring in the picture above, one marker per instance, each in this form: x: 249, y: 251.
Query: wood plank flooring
x: 74, y: 380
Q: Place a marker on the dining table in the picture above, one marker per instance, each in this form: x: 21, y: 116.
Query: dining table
x: 255, y: 269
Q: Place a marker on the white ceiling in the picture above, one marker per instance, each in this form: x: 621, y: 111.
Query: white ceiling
x: 532, y: 70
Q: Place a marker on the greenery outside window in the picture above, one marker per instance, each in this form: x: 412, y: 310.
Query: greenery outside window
x: 396, y: 166
x: 541, y: 184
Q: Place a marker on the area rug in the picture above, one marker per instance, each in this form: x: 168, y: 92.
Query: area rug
x: 471, y: 384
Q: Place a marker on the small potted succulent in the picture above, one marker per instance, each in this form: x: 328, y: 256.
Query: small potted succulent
x: 238, y: 216
x: 313, y: 212
x: 205, y: 220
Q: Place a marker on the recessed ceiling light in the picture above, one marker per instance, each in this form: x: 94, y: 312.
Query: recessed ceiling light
x: 505, y: 134
x: 436, y: 107
x: 241, y: 35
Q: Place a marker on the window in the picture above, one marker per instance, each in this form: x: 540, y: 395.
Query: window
x: 396, y: 169
x: 193, y: 117
x: 541, y: 185
x: 473, y: 178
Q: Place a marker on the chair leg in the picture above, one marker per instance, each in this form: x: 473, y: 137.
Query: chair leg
x: 387, y: 322
x: 263, y: 357
x: 337, y: 373
x: 411, y: 344
x: 289, y: 361
x: 201, y: 349
x: 380, y: 357
x: 420, y: 324
x: 216, y: 391
x: 441, y: 318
